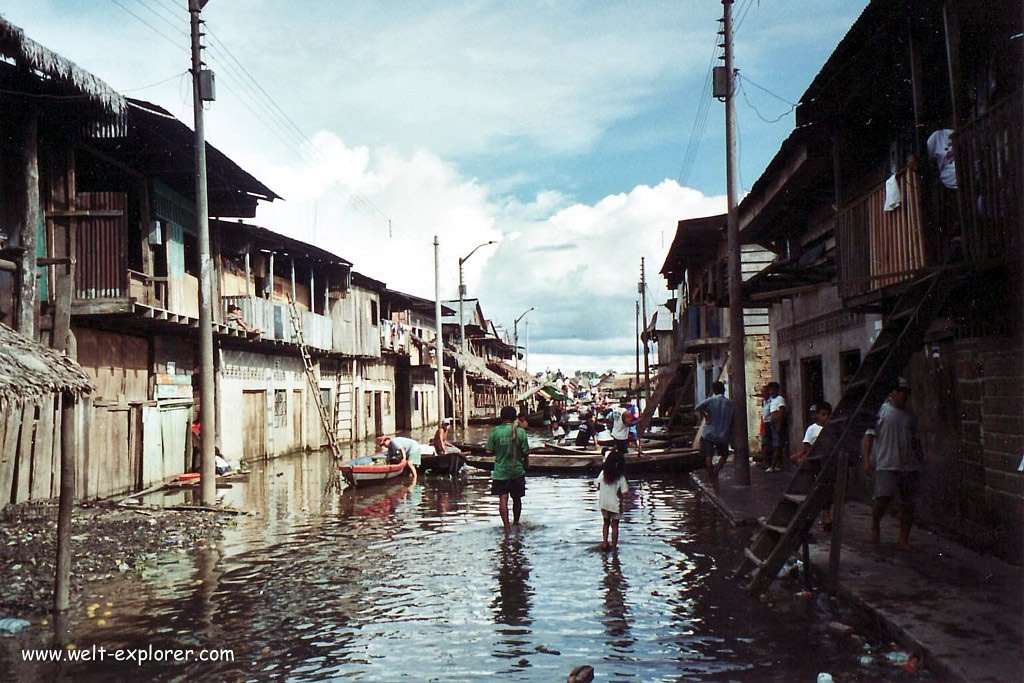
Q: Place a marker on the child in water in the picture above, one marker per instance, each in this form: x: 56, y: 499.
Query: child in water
x: 612, y: 489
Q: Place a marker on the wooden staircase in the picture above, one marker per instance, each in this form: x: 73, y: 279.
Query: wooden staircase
x: 811, y: 487
x: 662, y: 382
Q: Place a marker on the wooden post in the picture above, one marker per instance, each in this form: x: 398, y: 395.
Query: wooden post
x: 68, y: 453
x: 248, y: 275
x: 838, y: 499
x: 28, y: 321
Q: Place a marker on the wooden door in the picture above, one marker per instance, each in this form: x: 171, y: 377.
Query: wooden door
x: 297, y: 418
x: 378, y: 413
x: 254, y: 424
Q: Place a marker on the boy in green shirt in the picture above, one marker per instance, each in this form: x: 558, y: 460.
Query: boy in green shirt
x: 507, y: 443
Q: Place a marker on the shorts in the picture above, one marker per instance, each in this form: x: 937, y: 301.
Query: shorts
x: 514, y: 487
x: 621, y: 444
x: 611, y: 516
x: 890, y: 482
x: 415, y: 457
x: 709, y: 448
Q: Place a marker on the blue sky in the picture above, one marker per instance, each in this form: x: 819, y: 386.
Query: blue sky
x: 556, y: 127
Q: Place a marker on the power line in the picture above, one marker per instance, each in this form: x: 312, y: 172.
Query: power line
x: 700, y: 120
x: 274, y: 119
x: 778, y: 97
x: 153, y: 28
x: 758, y: 112
x: 153, y: 85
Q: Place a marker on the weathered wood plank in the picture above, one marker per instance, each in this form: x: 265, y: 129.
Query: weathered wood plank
x: 24, y: 456
x: 42, y: 452
x: 55, y: 450
x: 62, y: 311
x: 8, y: 449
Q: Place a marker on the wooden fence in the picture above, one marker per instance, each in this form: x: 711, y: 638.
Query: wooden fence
x: 124, y: 447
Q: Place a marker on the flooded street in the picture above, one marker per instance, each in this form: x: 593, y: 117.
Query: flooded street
x: 403, y: 582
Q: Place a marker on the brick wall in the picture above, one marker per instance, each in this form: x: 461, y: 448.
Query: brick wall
x: 990, y: 391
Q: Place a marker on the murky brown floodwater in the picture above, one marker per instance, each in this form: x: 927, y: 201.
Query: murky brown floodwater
x: 419, y: 583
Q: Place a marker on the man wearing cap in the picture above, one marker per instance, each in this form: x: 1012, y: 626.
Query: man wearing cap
x: 401, y: 447
x: 508, y: 444
x: 892, y: 449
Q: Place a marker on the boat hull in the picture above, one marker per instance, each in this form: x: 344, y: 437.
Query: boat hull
x: 582, y: 462
x: 371, y: 469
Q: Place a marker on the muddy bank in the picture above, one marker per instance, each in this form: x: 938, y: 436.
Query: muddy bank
x: 107, y: 541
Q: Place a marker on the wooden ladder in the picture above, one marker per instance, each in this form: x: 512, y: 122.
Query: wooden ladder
x: 663, y: 381
x: 314, y: 385
x: 787, y: 527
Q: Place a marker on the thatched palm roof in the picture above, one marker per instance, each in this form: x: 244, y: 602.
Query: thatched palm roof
x: 29, y: 370
x: 15, y: 45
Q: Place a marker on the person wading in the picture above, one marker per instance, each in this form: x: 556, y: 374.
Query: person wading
x: 507, y: 443
x: 717, y: 412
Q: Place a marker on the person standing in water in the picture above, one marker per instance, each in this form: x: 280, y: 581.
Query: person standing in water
x: 612, y: 489
x: 507, y: 443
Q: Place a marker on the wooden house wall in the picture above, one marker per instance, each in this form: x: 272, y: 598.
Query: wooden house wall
x: 118, y: 364
x: 354, y: 331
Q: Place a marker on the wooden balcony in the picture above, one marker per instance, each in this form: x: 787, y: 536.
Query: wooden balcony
x: 275, y: 324
x: 988, y: 152
x: 704, y: 325
x: 877, y: 248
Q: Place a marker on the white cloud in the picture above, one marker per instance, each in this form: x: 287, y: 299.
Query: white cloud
x: 577, y: 264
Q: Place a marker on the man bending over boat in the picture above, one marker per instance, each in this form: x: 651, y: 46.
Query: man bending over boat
x: 401, y: 447
x: 508, y: 444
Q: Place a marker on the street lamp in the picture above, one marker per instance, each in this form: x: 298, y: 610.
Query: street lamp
x: 515, y: 332
x: 462, y: 332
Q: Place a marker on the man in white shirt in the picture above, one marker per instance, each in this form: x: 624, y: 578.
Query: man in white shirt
x: 621, y: 420
x: 775, y: 408
x: 820, y: 412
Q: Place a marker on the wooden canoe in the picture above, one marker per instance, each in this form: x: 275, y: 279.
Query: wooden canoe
x: 371, y: 469
x: 589, y: 462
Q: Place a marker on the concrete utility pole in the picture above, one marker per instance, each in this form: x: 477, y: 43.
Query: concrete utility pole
x: 207, y: 409
x: 438, y: 340
x: 737, y: 364
x: 643, y: 309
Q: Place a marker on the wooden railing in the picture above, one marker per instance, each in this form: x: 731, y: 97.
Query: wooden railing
x: 988, y: 153
x: 703, y: 321
x: 876, y: 248
x: 272, y: 319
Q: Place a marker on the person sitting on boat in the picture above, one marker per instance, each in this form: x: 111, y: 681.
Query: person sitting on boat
x: 440, y: 440
x: 587, y: 432
x: 399, y: 448
x: 557, y: 431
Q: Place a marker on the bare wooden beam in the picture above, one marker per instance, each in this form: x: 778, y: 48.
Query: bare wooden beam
x: 27, y: 319
x: 68, y: 456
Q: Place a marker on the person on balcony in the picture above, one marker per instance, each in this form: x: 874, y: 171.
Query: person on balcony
x: 235, y: 319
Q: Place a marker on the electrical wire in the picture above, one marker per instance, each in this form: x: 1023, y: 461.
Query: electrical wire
x: 254, y: 98
x: 758, y: 112
x: 153, y: 85
x: 153, y: 28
